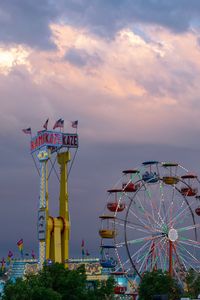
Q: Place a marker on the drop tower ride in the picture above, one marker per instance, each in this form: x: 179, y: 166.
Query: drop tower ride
x: 53, y: 232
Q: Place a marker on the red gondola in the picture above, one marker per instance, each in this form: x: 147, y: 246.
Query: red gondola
x: 188, y: 191
x: 114, y: 206
x: 119, y: 290
x: 130, y: 187
x: 197, y: 211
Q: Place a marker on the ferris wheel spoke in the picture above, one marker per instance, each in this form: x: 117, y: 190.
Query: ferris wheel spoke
x: 137, y: 253
x: 188, y: 228
x: 162, y: 209
x: 161, y: 249
x: 183, y: 216
x: 119, y: 260
x: 180, y: 258
x: 142, y: 210
x: 145, y: 259
x: 150, y: 229
x: 149, y: 216
x: 190, y: 254
x: 184, y: 259
x: 136, y: 241
x: 170, y: 209
x: 133, y: 227
x: 185, y: 211
x: 161, y: 258
x: 180, y: 264
x: 186, y: 170
x: 140, y: 240
x: 149, y: 252
x: 188, y: 242
x: 161, y: 197
x: 187, y: 262
x: 150, y: 261
x: 149, y: 195
x: 158, y: 206
x: 139, y: 219
x: 154, y: 207
x: 139, y: 256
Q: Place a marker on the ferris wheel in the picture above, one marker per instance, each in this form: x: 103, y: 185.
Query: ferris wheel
x: 151, y: 221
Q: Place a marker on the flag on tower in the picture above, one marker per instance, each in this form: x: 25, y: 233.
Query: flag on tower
x: 10, y: 255
x: 27, y: 130
x: 33, y: 254
x: 46, y: 124
x: 82, y: 247
x: 59, y: 124
x: 3, y: 262
x: 20, y: 245
x: 74, y: 124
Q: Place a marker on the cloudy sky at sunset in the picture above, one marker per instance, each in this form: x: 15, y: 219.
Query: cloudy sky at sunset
x: 128, y: 70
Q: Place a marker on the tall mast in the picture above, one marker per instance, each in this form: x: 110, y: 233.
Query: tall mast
x: 43, y: 156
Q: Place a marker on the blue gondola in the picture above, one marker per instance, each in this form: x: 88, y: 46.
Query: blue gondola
x: 150, y: 162
x: 108, y: 247
x: 108, y: 263
x: 150, y: 177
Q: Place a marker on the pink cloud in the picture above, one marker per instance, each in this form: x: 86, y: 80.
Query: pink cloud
x: 141, y: 90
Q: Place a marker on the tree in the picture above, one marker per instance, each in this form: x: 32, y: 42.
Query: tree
x: 57, y: 283
x: 104, y: 289
x: 29, y: 289
x: 157, y: 283
x: 192, y: 284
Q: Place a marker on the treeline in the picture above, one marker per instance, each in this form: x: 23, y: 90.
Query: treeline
x: 57, y: 283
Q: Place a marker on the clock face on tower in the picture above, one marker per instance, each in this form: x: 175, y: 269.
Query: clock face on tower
x: 43, y: 155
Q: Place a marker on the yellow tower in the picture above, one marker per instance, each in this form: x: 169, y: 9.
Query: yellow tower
x: 58, y: 228
x: 63, y: 159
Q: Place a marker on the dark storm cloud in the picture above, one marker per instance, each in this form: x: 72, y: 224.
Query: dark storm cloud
x: 107, y: 17
x: 27, y: 21
x: 19, y: 187
x: 81, y: 58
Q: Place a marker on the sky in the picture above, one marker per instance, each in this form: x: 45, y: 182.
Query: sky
x: 128, y: 71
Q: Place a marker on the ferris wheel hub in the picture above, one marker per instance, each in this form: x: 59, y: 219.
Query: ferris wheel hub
x: 173, y: 235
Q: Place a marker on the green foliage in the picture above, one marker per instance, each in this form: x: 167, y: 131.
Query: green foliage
x: 57, y: 283
x: 104, y: 289
x: 192, y: 284
x: 157, y: 283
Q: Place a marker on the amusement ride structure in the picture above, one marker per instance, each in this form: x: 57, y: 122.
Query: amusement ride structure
x: 53, y: 232
x: 150, y: 222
